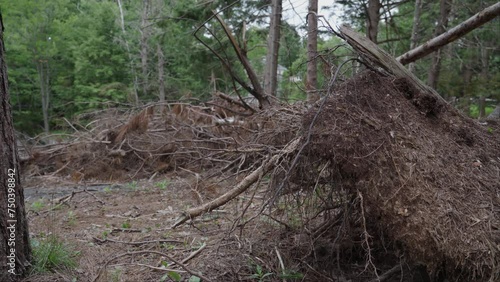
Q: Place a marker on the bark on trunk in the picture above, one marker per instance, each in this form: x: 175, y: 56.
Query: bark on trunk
x: 15, y: 251
x: 131, y: 61
x: 161, y: 75
x: 43, y: 75
x: 482, y: 106
x: 312, y: 52
x: 415, y: 30
x: 373, y: 19
x: 273, y: 45
x: 434, y: 70
x: 467, y: 77
x: 145, y: 34
x: 484, y: 78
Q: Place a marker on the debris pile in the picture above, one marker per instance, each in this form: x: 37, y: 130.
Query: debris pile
x: 423, y: 175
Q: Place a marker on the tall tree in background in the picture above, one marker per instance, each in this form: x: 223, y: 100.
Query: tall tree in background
x: 144, y: 52
x: 161, y: 74
x: 442, y: 24
x: 129, y: 53
x: 273, y: 45
x: 15, y: 251
x: 373, y: 19
x: 312, y: 52
x: 415, y: 31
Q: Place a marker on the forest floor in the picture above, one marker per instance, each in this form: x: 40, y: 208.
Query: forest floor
x: 120, y: 231
x: 380, y: 181
x: 137, y: 217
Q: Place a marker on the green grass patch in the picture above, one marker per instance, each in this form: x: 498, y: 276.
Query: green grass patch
x: 51, y: 254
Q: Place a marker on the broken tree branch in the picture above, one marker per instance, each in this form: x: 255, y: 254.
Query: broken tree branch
x: 453, y: 34
x: 258, y: 91
x: 240, y: 188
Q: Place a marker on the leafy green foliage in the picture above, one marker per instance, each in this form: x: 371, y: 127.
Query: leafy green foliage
x: 260, y: 274
x: 91, y: 63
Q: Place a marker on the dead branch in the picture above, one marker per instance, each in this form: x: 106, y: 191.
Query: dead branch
x: 453, y: 34
x: 162, y: 268
x: 240, y: 187
x: 233, y: 101
x: 102, y: 241
x: 125, y: 230
x: 258, y: 91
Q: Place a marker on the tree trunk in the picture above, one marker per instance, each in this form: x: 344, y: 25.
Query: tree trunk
x: 484, y: 78
x: 312, y: 52
x: 373, y: 19
x: 145, y: 34
x: 415, y: 30
x: 131, y: 61
x: 453, y: 34
x: 273, y: 45
x: 482, y: 106
x: 161, y: 75
x: 43, y: 75
x: 15, y: 251
x: 444, y: 12
x: 466, y: 95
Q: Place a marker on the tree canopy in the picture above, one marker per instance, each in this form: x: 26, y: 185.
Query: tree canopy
x: 67, y: 57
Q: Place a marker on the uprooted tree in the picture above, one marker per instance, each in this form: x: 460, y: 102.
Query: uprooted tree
x: 413, y: 164
x: 403, y: 177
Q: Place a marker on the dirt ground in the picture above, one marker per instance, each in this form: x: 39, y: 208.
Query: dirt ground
x: 101, y: 225
x: 121, y: 232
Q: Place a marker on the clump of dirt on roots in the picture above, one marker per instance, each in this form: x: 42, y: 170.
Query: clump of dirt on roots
x: 423, y: 178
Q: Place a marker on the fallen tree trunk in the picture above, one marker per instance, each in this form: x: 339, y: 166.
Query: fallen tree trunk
x: 453, y: 34
x: 375, y: 55
x: 240, y: 188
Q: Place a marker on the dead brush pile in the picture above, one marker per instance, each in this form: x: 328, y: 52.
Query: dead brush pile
x: 123, y: 145
x: 413, y: 172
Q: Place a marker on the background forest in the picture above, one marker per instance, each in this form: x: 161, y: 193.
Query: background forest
x: 68, y: 57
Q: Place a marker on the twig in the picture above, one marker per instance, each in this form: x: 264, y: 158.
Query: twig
x: 281, y: 262
x: 366, y: 236
x: 69, y: 123
x: 150, y: 266
x: 102, y: 241
x: 97, y: 199
x: 59, y: 170
x: 388, y: 274
x: 195, y: 253
x: 125, y: 230
x: 183, y: 266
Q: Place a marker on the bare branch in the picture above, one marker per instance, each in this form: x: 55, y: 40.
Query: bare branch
x: 453, y: 34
